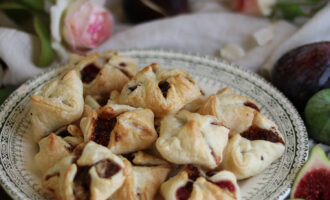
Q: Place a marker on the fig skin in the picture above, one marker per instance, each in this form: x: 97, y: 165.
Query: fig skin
x: 137, y: 11
x: 302, y: 72
x: 310, y: 183
x: 317, y: 116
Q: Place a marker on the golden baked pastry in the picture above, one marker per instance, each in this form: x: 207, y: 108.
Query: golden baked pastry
x: 164, y: 91
x: 91, y: 102
x: 191, y: 138
x: 195, y: 105
x: 254, y: 149
x: 59, y: 102
x: 191, y: 183
x: 103, y: 58
x: 248, y: 152
x: 102, y: 74
x: 233, y: 110
x: 144, y: 175
x: 95, y: 174
x: 50, y: 179
x: 90, y: 105
x: 121, y: 128
x: 119, y: 115
x: 57, y: 146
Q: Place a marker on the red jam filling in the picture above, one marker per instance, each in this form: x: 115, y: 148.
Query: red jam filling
x: 106, y: 168
x: 193, y: 172
x: 252, y: 105
x: 126, y: 73
x: 122, y: 64
x: 314, y: 186
x: 164, y: 86
x: 82, y: 181
x: 216, y: 123
x: 102, y: 131
x: 89, y: 73
x: 184, y: 192
x: 256, y: 133
x: 227, y: 185
x: 104, y: 99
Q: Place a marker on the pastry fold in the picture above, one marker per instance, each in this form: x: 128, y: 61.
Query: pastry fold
x: 191, y: 138
x: 255, y: 141
x: 164, y: 91
x: 56, y: 146
x: 95, y: 174
x: 254, y: 149
x: 121, y: 128
x: 102, y: 73
x: 59, y: 102
x: 144, y: 175
x: 233, y: 110
x: 192, y: 183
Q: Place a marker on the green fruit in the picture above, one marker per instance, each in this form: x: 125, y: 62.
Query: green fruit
x: 317, y: 116
x: 313, y: 179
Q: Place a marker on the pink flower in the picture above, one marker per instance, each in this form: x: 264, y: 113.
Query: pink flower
x: 254, y: 7
x: 86, y: 25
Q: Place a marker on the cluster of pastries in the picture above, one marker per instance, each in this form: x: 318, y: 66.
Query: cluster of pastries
x: 107, y: 131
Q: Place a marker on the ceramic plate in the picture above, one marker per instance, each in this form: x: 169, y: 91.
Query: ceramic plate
x: 22, y: 181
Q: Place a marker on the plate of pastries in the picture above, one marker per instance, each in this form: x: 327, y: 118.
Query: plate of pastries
x: 146, y: 124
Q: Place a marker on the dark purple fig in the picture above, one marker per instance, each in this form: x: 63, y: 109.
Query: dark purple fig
x: 302, y: 72
x: 145, y: 10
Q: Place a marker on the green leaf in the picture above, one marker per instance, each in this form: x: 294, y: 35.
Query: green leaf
x: 4, y: 93
x: 52, y: 2
x: 34, y: 4
x: 292, y: 11
x: 42, y: 28
x: 18, y: 13
x: 288, y: 10
x: 12, y: 6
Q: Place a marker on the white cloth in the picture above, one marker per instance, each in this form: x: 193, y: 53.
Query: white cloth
x: 204, y: 31
x: 17, y: 50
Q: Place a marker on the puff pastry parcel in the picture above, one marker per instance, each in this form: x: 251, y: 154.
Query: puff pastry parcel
x: 191, y: 183
x: 57, y: 146
x: 102, y: 74
x: 164, y: 91
x: 60, y: 102
x: 144, y: 175
x: 95, y: 174
x: 121, y: 128
x: 233, y: 110
x: 254, y: 149
x: 191, y: 138
x: 255, y: 142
